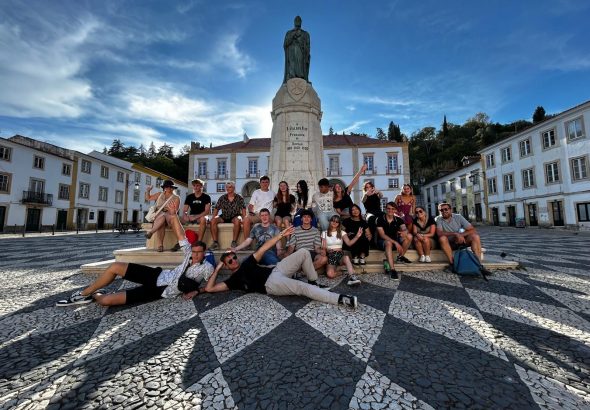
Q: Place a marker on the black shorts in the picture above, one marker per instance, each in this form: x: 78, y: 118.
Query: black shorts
x: 228, y: 221
x: 146, y: 276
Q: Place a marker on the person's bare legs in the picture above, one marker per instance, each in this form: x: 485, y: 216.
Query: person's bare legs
x: 174, y: 223
x: 446, y: 248
x: 236, y: 232
x: 320, y: 261
x: 389, y: 253
x: 348, y: 264
x: 247, y: 226
x: 427, y: 245
x: 214, y: 229
x: 407, y: 240
x: 158, y: 222
x: 475, y: 242
x: 106, y: 278
x: 331, y: 271
x: 419, y: 247
x: 202, y: 227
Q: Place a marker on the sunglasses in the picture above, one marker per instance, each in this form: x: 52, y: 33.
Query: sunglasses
x: 419, y: 212
x: 231, y: 258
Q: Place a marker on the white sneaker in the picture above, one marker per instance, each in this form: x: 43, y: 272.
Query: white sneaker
x: 427, y: 259
x: 355, y: 261
x: 422, y: 258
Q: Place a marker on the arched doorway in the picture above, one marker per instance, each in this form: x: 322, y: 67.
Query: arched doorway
x: 248, y: 189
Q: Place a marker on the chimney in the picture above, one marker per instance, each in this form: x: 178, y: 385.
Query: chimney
x: 246, y: 139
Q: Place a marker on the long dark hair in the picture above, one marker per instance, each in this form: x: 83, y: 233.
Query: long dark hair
x: 302, y: 196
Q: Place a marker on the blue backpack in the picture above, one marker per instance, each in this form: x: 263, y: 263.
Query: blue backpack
x: 466, y: 263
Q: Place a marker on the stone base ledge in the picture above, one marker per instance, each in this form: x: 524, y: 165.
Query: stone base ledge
x: 225, y: 235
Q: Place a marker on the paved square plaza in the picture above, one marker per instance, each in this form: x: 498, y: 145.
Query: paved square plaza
x: 429, y: 340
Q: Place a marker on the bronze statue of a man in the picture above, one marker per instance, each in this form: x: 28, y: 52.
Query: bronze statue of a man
x: 297, y: 46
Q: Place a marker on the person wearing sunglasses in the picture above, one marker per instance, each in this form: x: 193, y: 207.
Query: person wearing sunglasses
x: 248, y: 276
x: 155, y: 283
x: 393, y: 234
x: 332, y: 240
x: 454, y: 231
x: 424, y: 231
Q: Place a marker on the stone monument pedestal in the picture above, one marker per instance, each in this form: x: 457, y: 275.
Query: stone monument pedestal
x: 296, y: 148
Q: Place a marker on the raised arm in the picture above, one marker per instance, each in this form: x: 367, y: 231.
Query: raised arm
x: 148, y: 194
x: 213, y: 287
x: 272, y: 242
x: 349, y: 241
x: 355, y: 179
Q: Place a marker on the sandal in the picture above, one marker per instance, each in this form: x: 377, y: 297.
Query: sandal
x: 160, y: 249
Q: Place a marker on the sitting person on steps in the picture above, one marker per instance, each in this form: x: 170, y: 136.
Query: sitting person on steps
x: 261, y: 233
x: 454, y: 231
x: 168, y: 216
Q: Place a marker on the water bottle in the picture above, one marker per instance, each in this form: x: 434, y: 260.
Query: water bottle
x: 210, y: 257
x: 386, y: 266
x: 461, y: 230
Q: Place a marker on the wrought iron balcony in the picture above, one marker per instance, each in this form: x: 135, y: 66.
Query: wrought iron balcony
x: 252, y: 174
x: 33, y: 197
x: 336, y: 172
x: 372, y: 171
x: 203, y: 175
x: 394, y: 171
x: 220, y: 175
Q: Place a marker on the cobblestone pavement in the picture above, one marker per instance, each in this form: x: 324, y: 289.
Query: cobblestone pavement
x: 429, y: 340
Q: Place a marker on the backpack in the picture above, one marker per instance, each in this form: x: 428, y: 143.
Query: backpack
x: 466, y: 263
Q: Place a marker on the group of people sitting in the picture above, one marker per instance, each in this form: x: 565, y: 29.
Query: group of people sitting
x: 319, y: 232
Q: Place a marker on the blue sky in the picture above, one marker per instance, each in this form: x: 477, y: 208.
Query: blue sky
x: 81, y: 73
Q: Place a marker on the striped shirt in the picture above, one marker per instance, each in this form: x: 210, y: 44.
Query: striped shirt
x: 305, y: 238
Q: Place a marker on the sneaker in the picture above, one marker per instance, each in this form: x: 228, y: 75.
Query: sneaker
x: 214, y: 246
x: 422, y: 259
x: 176, y: 247
x: 355, y: 261
x: 393, y: 274
x: 427, y: 259
x: 403, y: 259
x: 234, y: 244
x: 362, y: 261
x: 352, y: 280
x: 75, y: 299
x: 348, y: 301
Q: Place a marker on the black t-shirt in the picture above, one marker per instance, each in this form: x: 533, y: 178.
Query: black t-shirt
x: 426, y: 228
x: 345, y: 203
x: 373, y: 204
x: 352, y: 227
x: 284, y: 208
x: 197, y: 205
x: 250, y: 277
x: 390, y: 229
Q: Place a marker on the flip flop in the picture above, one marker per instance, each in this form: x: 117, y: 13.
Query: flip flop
x: 160, y: 249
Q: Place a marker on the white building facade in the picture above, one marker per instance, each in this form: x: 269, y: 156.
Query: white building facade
x: 45, y: 187
x: 246, y: 161
x: 541, y: 176
x: 464, y: 189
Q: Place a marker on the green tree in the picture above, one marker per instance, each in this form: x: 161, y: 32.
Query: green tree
x: 151, y: 153
x: 116, y: 149
x: 394, y: 133
x: 331, y: 131
x: 539, y: 114
x: 381, y: 134
x: 166, y: 151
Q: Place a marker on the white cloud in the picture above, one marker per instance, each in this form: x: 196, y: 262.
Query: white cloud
x: 41, y: 77
x: 229, y: 55
x: 354, y: 126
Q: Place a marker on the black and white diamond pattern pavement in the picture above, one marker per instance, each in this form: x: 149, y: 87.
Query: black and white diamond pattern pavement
x: 430, y: 340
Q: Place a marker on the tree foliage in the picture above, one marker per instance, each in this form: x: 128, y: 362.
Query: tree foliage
x: 539, y: 114
x: 161, y: 159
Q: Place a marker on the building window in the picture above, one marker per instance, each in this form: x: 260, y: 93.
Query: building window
x: 5, y: 183
x: 84, y: 190
x: 5, y: 153
x: 37, y: 185
x: 64, y: 191
x: 221, y: 169
x: 463, y: 182
x: 334, y: 165
x: 443, y: 188
x: 528, y: 178
x: 148, y: 180
x: 574, y: 129
x: 490, y: 161
x: 120, y: 176
x: 221, y: 187
x: 492, y: 188
x: 39, y: 162
x: 508, y: 182
x: 452, y: 186
x: 159, y: 182
x: 66, y: 169
x: 548, y: 139
x: 118, y: 197
x: 552, y: 172
x: 368, y: 159
x: 202, y: 170
x: 427, y: 194
x: 252, y: 167
x: 435, y: 191
x: 583, y: 212
x: 384, y: 202
x: 137, y: 177
x: 103, y: 193
x: 393, y: 183
x: 525, y: 147
x: 86, y: 167
x: 136, y: 195
x: 579, y: 168
x: 392, y: 164
x: 104, y: 171
x: 506, y: 154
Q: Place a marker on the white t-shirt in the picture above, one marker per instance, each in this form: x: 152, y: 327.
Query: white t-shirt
x: 325, y: 202
x: 261, y: 199
x: 332, y: 241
